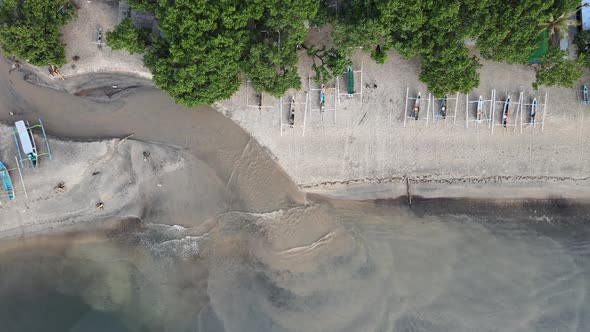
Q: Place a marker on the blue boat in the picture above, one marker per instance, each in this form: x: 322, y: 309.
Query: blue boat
x: 6, y: 181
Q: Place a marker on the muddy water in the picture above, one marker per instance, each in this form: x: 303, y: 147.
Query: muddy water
x: 271, y: 262
x: 326, y: 266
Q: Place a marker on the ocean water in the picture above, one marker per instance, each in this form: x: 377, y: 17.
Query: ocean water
x: 324, y: 266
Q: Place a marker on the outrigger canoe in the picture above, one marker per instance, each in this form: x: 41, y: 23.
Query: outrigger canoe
x: 443, y: 108
x: 6, y: 181
x: 292, y: 113
x: 479, y: 109
x: 533, y: 111
x: 416, y: 108
x: 505, y: 112
x: 322, y: 98
x: 350, y: 81
x: 27, y: 142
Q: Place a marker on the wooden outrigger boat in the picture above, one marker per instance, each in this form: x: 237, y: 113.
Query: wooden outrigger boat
x: 25, y: 142
x: 6, y: 181
x: 322, y: 98
x: 443, y: 108
x: 533, y: 111
x: 292, y: 113
x: 350, y: 81
x: 415, y: 112
x: 505, y: 112
x: 479, y: 109
x: 99, y: 36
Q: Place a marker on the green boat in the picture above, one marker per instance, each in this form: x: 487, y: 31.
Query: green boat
x: 350, y: 81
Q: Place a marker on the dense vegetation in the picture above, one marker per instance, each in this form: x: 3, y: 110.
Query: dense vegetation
x: 126, y: 36
x: 206, y: 46
x: 29, y: 29
x: 557, y: 70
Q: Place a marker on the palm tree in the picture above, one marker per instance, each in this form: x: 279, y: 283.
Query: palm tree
x: 559, y: 26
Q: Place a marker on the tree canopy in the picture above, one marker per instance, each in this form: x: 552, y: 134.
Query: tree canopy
x: 126, y: 36
x: 206, y: 46
x: 29, y: 29
x: 557, y: 70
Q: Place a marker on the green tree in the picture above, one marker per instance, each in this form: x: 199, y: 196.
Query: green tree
x: 144, y: 5
x: 198, y: 58
x: 450, y: 70
x: 271, y: 57
x: 509, y: 29
x: 126, y: 36
x: 328, y: 63
x: 269, y: 71
x: 556, y: 70
x: 29, y: 29
x: 559, y: 26
x: 582, y: 41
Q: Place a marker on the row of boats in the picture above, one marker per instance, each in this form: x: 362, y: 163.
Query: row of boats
x: 442, y: 111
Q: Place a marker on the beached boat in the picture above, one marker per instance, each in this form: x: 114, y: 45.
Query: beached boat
x: 6, y: 181
x: 443, y: 108
x: 292, y: 113
x: 350, y: 81
x: 416, y: 108
x: 27, y: 143
x: 586, y: 101
x: 533, y: 111
x: 479, y: 109
x: 505, y: 112
x: 322, y: 98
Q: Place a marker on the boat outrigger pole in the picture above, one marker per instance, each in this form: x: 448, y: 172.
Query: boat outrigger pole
x: 533, y: 111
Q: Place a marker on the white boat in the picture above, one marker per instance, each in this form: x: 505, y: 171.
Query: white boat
x: 27, y: 143
x: 479, y: 109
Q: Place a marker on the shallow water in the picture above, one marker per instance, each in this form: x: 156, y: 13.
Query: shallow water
x: 330, y: 266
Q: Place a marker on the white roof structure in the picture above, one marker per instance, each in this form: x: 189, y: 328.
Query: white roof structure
x: 23, y: 135
x: 585, y: 16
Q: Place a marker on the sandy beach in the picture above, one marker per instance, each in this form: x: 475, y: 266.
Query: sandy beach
x: 367, y: 142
